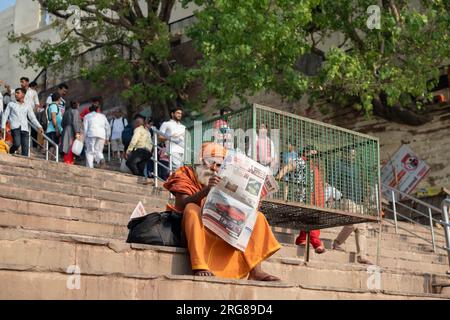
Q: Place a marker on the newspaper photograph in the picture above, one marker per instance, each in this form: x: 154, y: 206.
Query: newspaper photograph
x: 230, y: 209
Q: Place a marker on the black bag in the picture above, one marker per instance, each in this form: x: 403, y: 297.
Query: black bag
x: 157, y: 228
x: 42, y: 119
x: 127, y: 135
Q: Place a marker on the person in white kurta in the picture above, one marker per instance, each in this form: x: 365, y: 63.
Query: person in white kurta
x: 97, y: 131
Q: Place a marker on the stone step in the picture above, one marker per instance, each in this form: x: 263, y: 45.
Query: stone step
x: 73, y: 201
x: 394, y: 259
x: 390, y: 258
x: 44, y: 285
x: 136, y: 189
x: 64, y: 169
x: 91, y: 192
x: 84, y: 222
x: 77, y: 181
x: 113, y: 224
x: 152, y: 203
x: 95, y: 257
x: 42, y: 172
x: 398, y: 241
x: 407, y: 228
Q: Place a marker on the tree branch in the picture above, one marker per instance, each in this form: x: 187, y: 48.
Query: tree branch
x: 166, y: 10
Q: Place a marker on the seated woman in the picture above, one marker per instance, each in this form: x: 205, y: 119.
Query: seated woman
x: 209, y: 254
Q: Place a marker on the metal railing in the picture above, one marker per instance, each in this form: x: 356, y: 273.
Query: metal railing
x: 430, y: 209
x: 445, y: 212
x: 47, y: 140
x: 156, y: 148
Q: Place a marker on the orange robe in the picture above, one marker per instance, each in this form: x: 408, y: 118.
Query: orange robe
x: 207, y: 250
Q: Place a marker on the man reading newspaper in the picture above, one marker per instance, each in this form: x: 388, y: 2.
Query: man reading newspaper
x: 210, y: 255
x: 230, y: 209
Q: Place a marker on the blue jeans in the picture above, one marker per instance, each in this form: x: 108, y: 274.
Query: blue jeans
x: 20, y: 139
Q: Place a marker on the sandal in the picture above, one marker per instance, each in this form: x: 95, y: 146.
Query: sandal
x: 266, y: 277
x: 203, y: 273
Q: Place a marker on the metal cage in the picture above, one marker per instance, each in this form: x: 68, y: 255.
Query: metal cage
x: 328, y: 176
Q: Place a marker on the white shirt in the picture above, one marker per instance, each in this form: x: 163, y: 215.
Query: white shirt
x: 175, y: 130
x: 96, y: 126
x: 117, y: 126
x: 31, y: 97
x: 18, y: 115
x: 1, y: 104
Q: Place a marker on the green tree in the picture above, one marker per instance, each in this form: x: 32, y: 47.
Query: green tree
x: 253, y: 45
x: 133, y: 40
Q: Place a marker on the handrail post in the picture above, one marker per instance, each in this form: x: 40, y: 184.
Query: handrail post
x: 395, y: 211
x: 57, y: 153
x: 432, y: 230
x: 445, y: 205
x: 170, y: 157
x: 29, y: 141
x: 155, y: 158
x: 46, y: 149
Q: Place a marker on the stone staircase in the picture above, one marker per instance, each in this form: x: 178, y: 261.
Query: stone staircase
x: 54, y: 216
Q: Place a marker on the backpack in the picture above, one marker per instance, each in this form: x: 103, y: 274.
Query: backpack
x: 127, y: 135
x: 48, y: 117
x: 157, y: 228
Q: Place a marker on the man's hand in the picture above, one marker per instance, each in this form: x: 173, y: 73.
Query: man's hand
x: 41, y: 130
x: 213, y: 181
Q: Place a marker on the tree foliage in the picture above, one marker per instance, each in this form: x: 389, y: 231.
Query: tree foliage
x: 132, y: 38
x: 252, y: 45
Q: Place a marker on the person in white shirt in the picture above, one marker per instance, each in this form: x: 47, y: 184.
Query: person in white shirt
x: 31, y: 96
x: 97, y: 132
x: 175, y: 130
x: 118, y: 123
x: 18, y: 113
x: 1, y: 105
x: 62, y: 90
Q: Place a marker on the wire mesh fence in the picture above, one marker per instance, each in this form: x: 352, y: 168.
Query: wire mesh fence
x: 327, y: 175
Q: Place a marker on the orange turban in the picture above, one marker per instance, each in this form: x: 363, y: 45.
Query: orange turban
x: 212, y: 150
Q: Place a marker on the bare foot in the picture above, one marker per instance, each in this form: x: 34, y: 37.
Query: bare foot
x: 203, y: 273
x: 262, y: 276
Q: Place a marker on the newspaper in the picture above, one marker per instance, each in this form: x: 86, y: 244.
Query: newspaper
x: 138, y: 212
x: 230, y: 210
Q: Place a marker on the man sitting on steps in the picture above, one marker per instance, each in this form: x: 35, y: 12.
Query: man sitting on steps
x: 209, y: 254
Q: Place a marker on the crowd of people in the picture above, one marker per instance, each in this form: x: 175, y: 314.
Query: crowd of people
x: 63, y: 122
x: 134, y: 144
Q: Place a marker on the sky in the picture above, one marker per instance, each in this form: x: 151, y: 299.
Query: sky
x: 6, y: 4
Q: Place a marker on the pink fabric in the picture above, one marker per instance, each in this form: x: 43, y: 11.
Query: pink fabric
x: 263, y: 150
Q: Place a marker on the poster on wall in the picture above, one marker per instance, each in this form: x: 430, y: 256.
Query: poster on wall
x: 403, y: 171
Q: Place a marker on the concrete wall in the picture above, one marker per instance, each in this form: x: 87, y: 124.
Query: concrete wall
x: 25, y: 18
x: 6, y: 25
